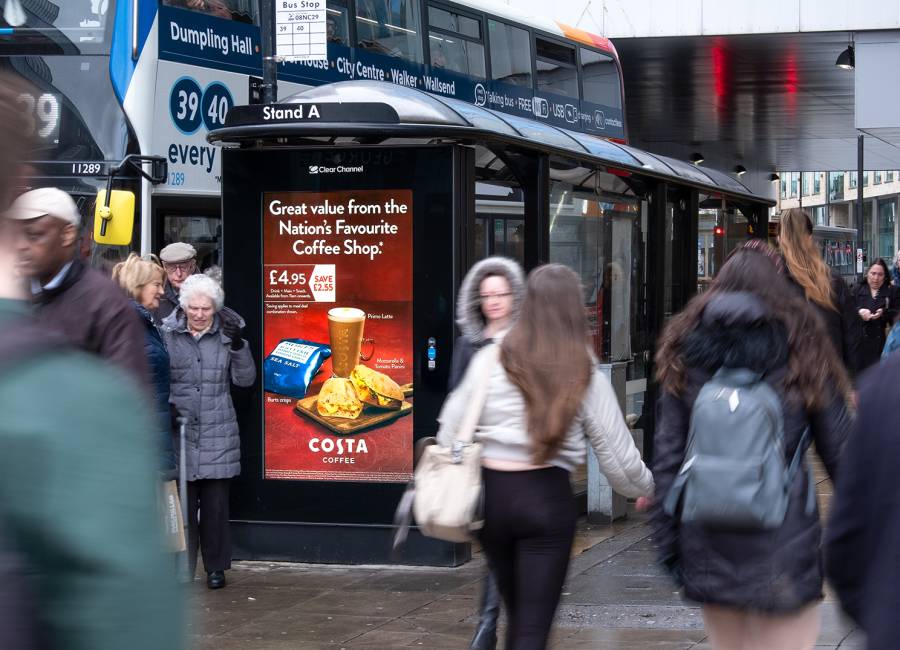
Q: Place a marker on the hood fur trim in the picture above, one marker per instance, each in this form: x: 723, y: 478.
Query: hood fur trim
x: 468, y: 304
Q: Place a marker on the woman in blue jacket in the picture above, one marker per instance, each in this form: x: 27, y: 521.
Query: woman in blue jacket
x: 144, y: 281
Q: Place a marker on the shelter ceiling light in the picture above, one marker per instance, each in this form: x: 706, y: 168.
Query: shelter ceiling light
x: 697, y: 158
x: 774, y: 177
x: 740, y: 170
x: 847, y: 58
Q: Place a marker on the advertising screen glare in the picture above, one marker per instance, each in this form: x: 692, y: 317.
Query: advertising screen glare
x: 337, y: 327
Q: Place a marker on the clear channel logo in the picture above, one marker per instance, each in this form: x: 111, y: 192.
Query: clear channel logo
x: 339, y: 169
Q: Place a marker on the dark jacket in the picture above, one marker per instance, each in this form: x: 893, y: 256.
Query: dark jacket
x: 872, y: 334
x: 78, y: 500
x: 840, y: 323
x: 862, y: 549
x: 775, y: 571
x: 167, y: 303
x: 202, y: 373
x: 94, y: 315
x: 159, y: 380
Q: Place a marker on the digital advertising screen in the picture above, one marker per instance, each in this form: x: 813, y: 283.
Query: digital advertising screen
x: 337, y: 289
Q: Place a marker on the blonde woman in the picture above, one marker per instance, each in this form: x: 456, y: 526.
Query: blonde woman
x: 143, y: 281
x: 824, y: 290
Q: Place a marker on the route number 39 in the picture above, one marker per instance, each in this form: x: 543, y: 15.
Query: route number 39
x: 42, y: 112
x: 190, y: 106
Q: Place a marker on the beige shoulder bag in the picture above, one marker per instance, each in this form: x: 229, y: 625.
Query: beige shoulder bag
x: 447, y: 500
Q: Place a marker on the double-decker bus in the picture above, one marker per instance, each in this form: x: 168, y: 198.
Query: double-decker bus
x: 152, y: 77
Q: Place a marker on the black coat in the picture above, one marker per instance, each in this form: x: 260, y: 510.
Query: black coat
x: 774, y: 571
x: 840, y: 323
x: 93, y: 314
x: 863, y: 537
x: 873, y: 333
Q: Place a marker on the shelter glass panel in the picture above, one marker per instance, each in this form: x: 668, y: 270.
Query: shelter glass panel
x: 887, y: 220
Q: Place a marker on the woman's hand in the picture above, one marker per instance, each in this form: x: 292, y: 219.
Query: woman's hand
x: 865, y: 314
x: 642, y: 504
x: 877, y: 314
x: 233, y: 331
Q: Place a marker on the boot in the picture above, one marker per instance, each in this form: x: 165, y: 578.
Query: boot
x: 486, y: 635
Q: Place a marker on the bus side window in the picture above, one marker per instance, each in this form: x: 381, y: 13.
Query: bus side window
x: 336, y: 25
x: 455, y: 43
x: 510, y: 54
x: 390, y: 27
x: 556, y: 68
x: 600, y: 79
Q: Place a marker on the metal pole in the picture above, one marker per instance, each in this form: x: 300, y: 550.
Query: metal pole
x: 267, y: 42
x: 800, y: 193
x: 859, y: 197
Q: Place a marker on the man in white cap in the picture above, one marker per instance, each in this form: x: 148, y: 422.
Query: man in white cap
x: 179, y: 259
x: 86, y: 307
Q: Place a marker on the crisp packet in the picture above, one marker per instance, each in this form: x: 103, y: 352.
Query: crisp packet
x: 291, y: 366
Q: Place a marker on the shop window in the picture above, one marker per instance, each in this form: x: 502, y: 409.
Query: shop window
x: 889, y: 177
x: 510, y: 54
x: 852, y: 178
x: 804, y: 183
x: 878, y: 178
x: 817, y: 182
x: 390, y: 28
x: 865, y: 180
x: 794, y: 184
x: 455, y: 42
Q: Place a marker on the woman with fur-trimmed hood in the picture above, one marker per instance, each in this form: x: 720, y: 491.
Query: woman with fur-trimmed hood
x: 488, y: 303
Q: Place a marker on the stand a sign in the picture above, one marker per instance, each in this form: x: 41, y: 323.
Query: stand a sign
x: 360, y: 113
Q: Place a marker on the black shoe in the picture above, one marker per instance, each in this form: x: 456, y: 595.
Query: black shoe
x: 215, y: 579
x: 486, y: 635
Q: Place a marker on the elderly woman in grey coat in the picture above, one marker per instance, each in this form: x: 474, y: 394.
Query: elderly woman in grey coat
x: 207, y: 355
x: 488, y: 304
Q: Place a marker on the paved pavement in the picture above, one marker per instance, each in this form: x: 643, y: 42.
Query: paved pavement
x: 615, y: 597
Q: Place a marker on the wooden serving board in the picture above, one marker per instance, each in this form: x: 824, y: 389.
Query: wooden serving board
x: 370, y: 417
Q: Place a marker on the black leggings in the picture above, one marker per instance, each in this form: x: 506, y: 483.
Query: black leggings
x: 529, y: 526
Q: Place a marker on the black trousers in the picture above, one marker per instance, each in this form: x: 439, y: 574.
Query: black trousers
x: 208, y: 524
x: 529, y: 526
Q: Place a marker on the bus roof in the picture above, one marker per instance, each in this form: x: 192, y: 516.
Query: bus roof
x: 540, y: 22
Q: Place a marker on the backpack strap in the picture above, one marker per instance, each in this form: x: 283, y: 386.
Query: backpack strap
x: 794, y: 468
x: 25, y: 339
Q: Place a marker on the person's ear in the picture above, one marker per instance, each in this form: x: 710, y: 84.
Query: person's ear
x: 69, y: 235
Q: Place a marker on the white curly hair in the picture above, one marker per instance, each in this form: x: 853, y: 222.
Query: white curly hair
x: 199, y: 284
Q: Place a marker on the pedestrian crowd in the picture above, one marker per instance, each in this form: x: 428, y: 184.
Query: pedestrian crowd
x: 105, y: 380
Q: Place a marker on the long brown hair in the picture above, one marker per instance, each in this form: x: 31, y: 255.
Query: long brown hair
x: 803, y: 259
x: 813, y: 373
x: 546, y: 356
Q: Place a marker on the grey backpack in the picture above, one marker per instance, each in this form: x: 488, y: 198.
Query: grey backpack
x: 735, y: 474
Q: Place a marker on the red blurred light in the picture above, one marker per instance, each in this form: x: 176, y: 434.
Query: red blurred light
x: 718, y: 231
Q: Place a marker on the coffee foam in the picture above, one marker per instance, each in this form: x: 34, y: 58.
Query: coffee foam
x: 346, y: 314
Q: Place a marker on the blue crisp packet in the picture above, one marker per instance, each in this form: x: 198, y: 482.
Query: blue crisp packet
x: 291, y: 366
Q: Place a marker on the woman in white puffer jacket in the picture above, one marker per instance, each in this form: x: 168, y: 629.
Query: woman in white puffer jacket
x: 546, y: 400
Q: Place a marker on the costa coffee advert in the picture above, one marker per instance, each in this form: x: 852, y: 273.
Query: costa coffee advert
x: 337, y: 331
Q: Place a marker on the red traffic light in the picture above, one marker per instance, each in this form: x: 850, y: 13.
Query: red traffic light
x: 718, y: 231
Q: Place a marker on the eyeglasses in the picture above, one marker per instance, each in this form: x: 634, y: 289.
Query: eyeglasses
x: 184, y: 267
x: 489, y: 296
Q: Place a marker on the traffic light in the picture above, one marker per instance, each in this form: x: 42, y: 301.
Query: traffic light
x: 718, y: 231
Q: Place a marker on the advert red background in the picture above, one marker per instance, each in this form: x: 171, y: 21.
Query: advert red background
x: 382, y: 286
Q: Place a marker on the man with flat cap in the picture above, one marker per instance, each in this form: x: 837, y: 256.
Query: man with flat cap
x: 83, y: 305
x: 179, y: 260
